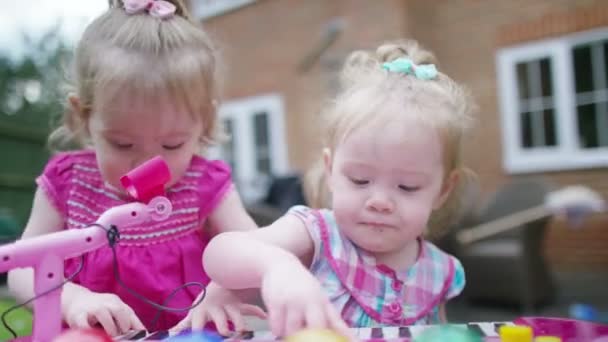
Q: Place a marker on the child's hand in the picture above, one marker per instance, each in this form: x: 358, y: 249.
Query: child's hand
x: 295, y: 300
x: 219, y: 306
x: 85, y: 309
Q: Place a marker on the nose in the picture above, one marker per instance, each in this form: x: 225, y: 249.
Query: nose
x: 380, y: 202
x: 142, y: 157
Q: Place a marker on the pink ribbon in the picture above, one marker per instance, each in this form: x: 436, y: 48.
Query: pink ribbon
x: 156, y: 8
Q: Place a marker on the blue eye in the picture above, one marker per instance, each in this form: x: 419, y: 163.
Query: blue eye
x: 409, y: 188
x: 173, y: 147
x: 359, y: 181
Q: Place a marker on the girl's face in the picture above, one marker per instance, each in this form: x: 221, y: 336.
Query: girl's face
x: 128, y: 133
x: 385, y: 182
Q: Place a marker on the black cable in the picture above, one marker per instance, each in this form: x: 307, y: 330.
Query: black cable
x: 154, y: 320
x: 113, y: 237
x: 17, y: 306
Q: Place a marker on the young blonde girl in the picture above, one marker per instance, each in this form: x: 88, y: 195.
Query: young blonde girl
x: 391, y: 164
x: 146, y: 84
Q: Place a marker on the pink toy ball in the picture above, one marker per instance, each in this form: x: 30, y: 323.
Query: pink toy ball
x: 83, y: 335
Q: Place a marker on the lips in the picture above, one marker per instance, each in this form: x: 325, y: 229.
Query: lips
x: 377, y: 224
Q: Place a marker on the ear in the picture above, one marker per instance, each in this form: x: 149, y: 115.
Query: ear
x: 75, y: 105
x: 77, y: 110
x: 327, y: 164
x: 446, y: 189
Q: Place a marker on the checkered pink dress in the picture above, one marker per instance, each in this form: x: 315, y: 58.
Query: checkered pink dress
x: 368, y: 294
x: 153, y: 259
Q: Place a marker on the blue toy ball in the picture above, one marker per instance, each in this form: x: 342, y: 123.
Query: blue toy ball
x: 584, y: 312
x: 198, y: 336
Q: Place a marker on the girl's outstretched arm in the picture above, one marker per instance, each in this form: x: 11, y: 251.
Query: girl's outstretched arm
x: 273, y: 259
x: 239, y: 260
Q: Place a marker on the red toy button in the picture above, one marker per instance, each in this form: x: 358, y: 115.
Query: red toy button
x: 395, y: 308
x: 397, y: 285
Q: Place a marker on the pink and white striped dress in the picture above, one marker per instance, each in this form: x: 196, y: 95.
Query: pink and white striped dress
x: 154, y: 259
x: 368, y: 294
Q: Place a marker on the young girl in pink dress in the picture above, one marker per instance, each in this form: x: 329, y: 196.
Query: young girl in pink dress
x: 146, y: 84
x: 391, y: 163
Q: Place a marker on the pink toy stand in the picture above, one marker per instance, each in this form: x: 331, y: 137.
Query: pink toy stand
x: 46, y: 254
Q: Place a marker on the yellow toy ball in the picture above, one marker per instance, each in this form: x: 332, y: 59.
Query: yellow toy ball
x: 316, y: 335
x: 515, y: 333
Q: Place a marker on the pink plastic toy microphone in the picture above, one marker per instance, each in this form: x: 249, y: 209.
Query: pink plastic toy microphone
x: 46, y: 253
x: 147, y: 180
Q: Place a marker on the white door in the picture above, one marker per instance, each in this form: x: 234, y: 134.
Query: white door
x: 255, y: 148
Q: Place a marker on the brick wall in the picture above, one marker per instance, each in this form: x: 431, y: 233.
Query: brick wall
x: 264, y: 44
x: 465, y: 35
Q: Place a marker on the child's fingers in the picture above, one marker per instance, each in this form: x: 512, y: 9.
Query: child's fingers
x: 125, y: 319
x: 234, y: 315
x: 79, y: 321
x: 218, y: 316
x: 106, y: 320
x: 293, y: 321
x: 315, y: 317
x: 276, y: 319
x: 198, y: 319
x: 253, y: 310
x: 134, y: 321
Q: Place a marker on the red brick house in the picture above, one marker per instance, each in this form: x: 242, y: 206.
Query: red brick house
x: 538, y: 69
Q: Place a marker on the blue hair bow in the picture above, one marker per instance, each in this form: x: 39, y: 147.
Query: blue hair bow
x: 408, y: 67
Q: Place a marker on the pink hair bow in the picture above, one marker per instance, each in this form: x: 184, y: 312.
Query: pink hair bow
x: 156, y: 8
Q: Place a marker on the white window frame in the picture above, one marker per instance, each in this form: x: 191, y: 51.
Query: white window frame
x: 240, y: 111
x: 204, y: 9
x: 566, y: 155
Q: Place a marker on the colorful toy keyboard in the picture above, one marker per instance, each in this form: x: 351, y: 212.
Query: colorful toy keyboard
x: 568, y: 330
x: 486, y: 329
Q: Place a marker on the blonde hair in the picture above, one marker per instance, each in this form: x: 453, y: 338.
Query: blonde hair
x: 370, y: 94
x: 145, y: 58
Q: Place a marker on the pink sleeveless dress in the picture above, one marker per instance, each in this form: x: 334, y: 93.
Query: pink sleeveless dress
x: 154, y: 259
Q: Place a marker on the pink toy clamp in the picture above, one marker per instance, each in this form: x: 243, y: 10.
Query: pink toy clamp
x: 147, y: 180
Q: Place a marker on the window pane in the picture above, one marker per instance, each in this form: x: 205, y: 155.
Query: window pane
x: 538, y: 129
x: 260, y: 122
x: 546, y: 80
x: 593, y: 125
x: 606, y: 61
x: 582, y: 68
x: 262, y: 148
x: 264, y: 165
x: 228, y: 146
x: 526, y: 130
x: 550, y: 129
x: 523, y: 84
x: 602, y: 119
x: 587, y: 126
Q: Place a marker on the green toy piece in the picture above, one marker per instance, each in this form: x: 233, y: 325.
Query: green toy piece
x: 450, y: 333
